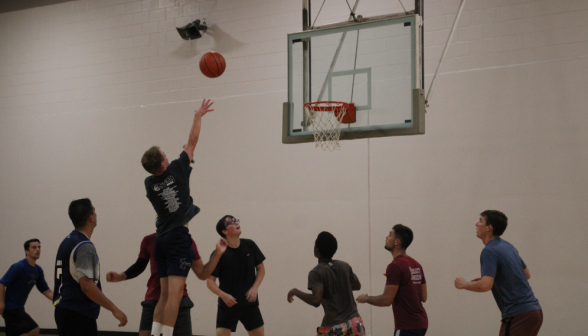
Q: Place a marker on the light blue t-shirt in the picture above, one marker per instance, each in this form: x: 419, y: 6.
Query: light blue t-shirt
x: 511, y: 290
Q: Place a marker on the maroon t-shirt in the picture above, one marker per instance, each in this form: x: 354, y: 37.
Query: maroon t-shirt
x: 148, y: 252
x: 407, y: 274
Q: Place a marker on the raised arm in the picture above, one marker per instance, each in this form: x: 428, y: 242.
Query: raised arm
x: 203, y: 271
x: 196, y: 124
x: 228, y: 299
x: 479, y: 285
x: 383, y: 300
x: 95, y: 294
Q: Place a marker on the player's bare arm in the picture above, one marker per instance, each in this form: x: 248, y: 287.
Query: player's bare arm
x: 479, y: 285
x: 227, y: 298
x: 2, y: 294
x: 527, y: 273
x: 48, y: 294
x: 424, y: 293
x: 251, y: 294
x: 95, y: 294
x: 313, y: 299
x: 383, y: 300
x: 196, y: 125
x: 203, y: 271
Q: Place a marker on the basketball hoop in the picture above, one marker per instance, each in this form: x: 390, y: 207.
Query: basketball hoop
x: 325, y: 118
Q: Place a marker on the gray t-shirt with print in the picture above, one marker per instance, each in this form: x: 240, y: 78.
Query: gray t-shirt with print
x: 335, y: 277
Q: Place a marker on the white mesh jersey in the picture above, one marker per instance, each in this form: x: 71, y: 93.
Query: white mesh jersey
x: 84, y: 262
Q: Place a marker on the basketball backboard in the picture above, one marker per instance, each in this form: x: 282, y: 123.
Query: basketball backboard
x: 375, y: 63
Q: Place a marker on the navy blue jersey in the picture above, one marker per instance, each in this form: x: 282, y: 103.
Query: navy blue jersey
x: 169, y: 193
x: 76, y: 258
x: 19, y: 281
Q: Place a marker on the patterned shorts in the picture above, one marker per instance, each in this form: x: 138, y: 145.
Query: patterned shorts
x: 353, y: 327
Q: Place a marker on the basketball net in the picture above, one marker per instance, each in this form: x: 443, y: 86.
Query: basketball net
x: 325, y: 118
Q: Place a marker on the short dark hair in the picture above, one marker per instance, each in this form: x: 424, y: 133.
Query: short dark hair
x: 152, y: 159
x: 27, y: 244
x: 79, y: 211
x: 497, y: 219
x: 326, y: 244
x: 404, y: 233
x: 222, y: 225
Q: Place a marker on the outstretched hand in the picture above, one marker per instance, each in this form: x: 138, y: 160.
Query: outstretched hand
x: 205, y: 108
x: 362, y: 298
x: 460, y: 283
x: 113, y: 277
x: 291, y: 295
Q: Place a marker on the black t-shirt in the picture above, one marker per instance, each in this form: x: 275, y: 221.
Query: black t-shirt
x: 169, y: 194
x: 236, y: 271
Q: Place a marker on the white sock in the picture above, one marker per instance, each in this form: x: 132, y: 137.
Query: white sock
x: 156, y: 329
x: 167, y: 330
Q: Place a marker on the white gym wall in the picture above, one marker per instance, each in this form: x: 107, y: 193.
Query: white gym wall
x: 87, y: 86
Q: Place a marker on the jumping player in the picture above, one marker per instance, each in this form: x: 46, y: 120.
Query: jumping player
x: 15, y: 287
x: 183, y: 326
x: 78, y: 292
x: 240, y: 271
x: 506, y: 274
x: 168, y: 190
x: 406, y: 288
x: 332, y: 283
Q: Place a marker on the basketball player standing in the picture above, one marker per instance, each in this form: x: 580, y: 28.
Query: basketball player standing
x: 406, y: 287
x: 506, y: 274
x: 332, y: 283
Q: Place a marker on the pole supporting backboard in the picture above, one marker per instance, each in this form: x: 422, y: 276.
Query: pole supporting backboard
x: 306, y: 70
x: 419, y: 8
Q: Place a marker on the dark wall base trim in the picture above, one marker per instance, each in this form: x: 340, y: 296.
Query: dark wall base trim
x: 100, y: 333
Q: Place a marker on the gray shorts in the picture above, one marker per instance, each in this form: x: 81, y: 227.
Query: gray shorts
x: 183, y: 325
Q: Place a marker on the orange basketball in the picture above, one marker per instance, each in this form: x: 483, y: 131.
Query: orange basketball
x: 212, y: 64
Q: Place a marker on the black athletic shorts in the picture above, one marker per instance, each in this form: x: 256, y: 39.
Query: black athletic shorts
x: 18, y: 322
x: 183, y: 325
x: 173, y: 252
x: 410, y: 332
x: 70, y: 323
x: 250, y: 316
